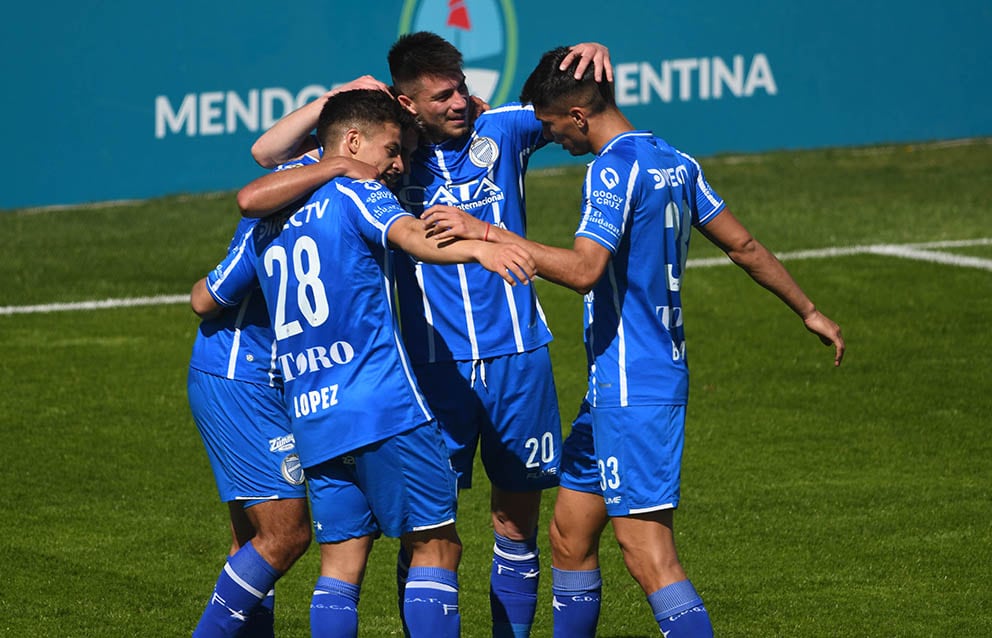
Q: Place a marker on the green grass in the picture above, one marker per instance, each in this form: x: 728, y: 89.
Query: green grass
x: 816, y: 501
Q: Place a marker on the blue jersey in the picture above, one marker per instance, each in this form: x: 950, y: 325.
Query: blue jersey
x: 641, y: 198
x: 324, y: 273
x: 464, y: 312
x: 238, y: 343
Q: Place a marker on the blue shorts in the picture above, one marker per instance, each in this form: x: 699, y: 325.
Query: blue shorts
x: 245, y: 428
x: 510, y: 404
x: 632, y: 456
x: 402, y: 484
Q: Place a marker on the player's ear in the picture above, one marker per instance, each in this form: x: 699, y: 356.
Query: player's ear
x: 406, y: 103
x: 578, y: 116
x: 353, y: 140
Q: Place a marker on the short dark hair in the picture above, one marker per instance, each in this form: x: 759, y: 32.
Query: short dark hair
x: 420, y: 54
x: 362, y: 109
x: 548, y: 87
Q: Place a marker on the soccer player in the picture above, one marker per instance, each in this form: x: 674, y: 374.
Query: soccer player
x: 478, y: 345
x: 622, y: 460
x: 235, y: 395
x: 370, y: 447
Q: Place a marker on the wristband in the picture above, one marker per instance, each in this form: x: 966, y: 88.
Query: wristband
x: 485, y: 237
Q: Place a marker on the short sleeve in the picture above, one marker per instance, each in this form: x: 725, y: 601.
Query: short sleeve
x: 606, y: 194
x: 377, y: 208
x: 231, y: 281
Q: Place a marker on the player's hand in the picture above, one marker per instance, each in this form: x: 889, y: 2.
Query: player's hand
x: 589, y: 53
x: 447, y: 223
x: 356, y: 169
x: 363, y: 82
x: 828, y: 332
x: 511, y: 262
x: 478, y: 104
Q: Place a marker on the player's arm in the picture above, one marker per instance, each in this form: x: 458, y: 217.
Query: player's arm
x: 290, y: 136
x: 203, y: 304
x: 511, y: 262
x: 274, y: 191
x: 578, y: 268
x: 763, y: 267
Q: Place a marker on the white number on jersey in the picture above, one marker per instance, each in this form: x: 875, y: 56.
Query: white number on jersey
x: 311, y: 298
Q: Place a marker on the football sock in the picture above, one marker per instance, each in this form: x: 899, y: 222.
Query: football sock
x: 576, y: 597
x: 680, y: 611
x: 431, y: 603
x: 402, y: 568
x: 513, y: 586
x: 334, y: 609
x: 241, y: 587
x: 261, y: 623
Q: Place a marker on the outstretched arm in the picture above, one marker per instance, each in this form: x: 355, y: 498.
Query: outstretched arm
x: 290, y: 136
x: 510, y: 262
x: 747, y: 252
x: 578, y: 268
x: 274, y: 191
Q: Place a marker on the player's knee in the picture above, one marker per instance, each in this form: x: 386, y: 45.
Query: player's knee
x: 297, y: 541
x: 515, y: 514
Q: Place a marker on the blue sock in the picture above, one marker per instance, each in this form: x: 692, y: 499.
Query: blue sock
x: 261, y: 623
x: 576, y: 599
x: 334, y: 609
x: 513, y: 586
x: 402, y: 569
x: 242, y: 585
x: 680, y: 611
x: 430, y: 603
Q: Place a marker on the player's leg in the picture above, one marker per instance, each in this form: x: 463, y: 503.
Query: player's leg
x: 430, y: 596
x: 410, y: 487
x: 237, y: 422
x: 283, y: 530
x: 516, y: 567
x: 344, y: 526
x: 576, y: 526
x: 261, y: 621
x: 639, y: 451
x: 334, y: 606
x: 243, y: 599
x: 648, y: 545
x: 521, y: 448
x: 448, y: 389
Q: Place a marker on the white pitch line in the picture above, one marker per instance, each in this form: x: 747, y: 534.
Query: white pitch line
x: 919, y: 252
x: 95, y: 305
x: 906, y: 251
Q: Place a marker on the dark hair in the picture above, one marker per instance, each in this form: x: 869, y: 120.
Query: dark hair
x: 548, y: 87
x: 362, y: 109
x: 420, y: 54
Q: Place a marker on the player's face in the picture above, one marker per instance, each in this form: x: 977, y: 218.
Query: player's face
x: 442, y: 106
x: 383, y: 149
x: 562, y: 129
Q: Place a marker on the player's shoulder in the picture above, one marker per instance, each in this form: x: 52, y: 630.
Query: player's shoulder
x: 303, y: 160
x: 364, y: 189
x: 511, y: 115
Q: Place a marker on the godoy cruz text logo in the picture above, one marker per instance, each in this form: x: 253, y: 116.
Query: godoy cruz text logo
x: 485, y: 31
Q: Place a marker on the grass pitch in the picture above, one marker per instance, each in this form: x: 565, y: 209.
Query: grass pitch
x: 816, y: 501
